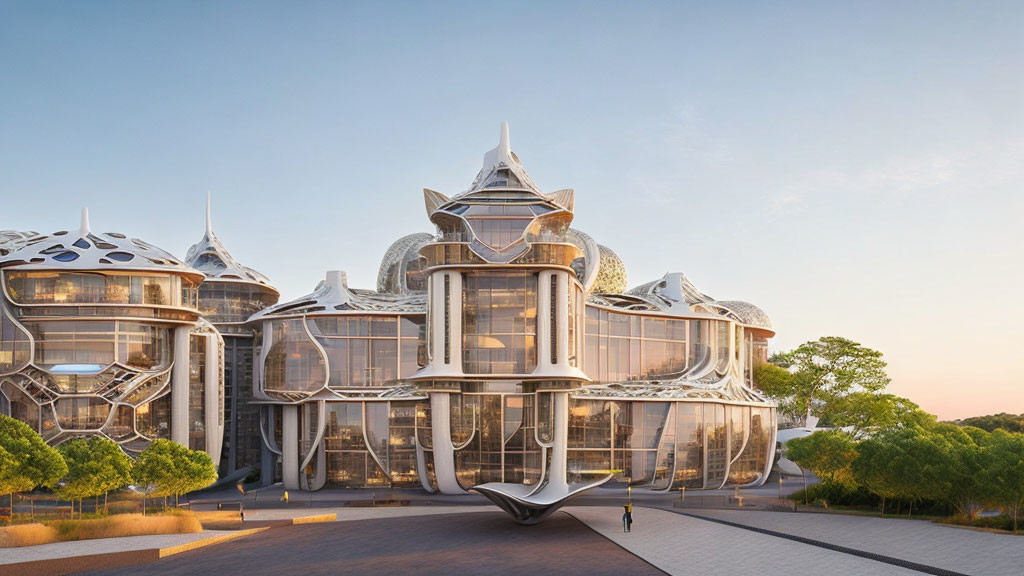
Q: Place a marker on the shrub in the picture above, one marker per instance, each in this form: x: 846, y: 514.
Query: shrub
x: 127, y: 525
x: 27, y: 535
x: 837, y: 494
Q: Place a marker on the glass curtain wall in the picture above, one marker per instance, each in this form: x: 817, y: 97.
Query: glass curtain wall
x: 51, y: 287
x: 629, y: 347
x: 499, y: 323
x: 495, y: 439
x: 388, y: 428
x: 369, y: 351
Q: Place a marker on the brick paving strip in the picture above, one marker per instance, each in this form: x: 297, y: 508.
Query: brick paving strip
x: 931, y: 548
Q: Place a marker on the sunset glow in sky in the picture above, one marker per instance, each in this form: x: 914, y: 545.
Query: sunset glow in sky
x: 855, y: 171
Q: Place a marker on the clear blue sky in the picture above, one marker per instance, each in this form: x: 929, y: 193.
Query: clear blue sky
x: 855, y: 170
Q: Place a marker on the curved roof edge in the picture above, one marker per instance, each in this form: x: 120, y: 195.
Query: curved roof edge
x: 85, y: 250
x: 210, y: 257
x: 332, y: 296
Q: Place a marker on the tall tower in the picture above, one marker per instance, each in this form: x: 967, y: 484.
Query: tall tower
x: 229, y: 294
x: 504, y: 316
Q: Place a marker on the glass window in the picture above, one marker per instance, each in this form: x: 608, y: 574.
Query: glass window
x: 75, y: 346
x: 293, y: 363
x: 499, y: 324
x: 52, y: 287
x: 82, y: 413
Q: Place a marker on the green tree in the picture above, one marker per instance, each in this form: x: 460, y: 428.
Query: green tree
x: 1008, y: 422
x: 27, y: 461
x: 1004, y: 471
x: 167, y: 468
x: 871, y: 411
x: 880, y: 464
x: 827, y: 369
x: 827, y: 453
x: 95, y: 466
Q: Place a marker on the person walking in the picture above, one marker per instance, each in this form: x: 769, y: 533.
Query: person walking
x: 627, y: 518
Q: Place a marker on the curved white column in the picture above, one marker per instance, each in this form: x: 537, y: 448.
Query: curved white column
x: 560, y: 442
x: 543, y: 321
x: 212, y: 409
x: 290, y: 446
x: 562, y: 314
x: 179, y: 386
x: 444, y: 451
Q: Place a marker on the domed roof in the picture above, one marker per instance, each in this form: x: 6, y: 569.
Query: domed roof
x: 400, y: 264
x: 587, y: 265
x: 86, y: 250
x: 611, y: 273
x: 210, y: 257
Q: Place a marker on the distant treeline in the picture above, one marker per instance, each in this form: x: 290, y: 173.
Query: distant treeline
x: 1008, y: 422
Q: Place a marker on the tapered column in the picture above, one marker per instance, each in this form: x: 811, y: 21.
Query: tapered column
x: 559, y: 443
x: 290, y: 446
x: 441, y: 437
x: 445, y: 325
x: 543, y: 320
x: 180, y: 385
x: 562, y: 314
x: 212, y: 409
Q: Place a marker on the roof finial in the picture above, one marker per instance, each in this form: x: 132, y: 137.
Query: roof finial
x: 84, y: 230
x: 504, y: 148
x: 209, y: 224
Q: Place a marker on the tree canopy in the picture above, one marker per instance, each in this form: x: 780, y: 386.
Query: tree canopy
x: 95, y: 465
x: 827, y: 453
x: 167, y: 468
x: 27, y: 461
x: 993, y: 422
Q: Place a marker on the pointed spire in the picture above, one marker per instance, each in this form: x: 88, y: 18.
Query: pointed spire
x: 84, y: 230
x: 209, y: 223
x: 504, y: 147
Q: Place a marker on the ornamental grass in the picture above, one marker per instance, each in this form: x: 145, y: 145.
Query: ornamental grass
x: 109, y: 527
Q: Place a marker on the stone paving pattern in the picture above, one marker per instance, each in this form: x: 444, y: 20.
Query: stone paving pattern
x: 920, y: 541
x: 452, y: 544
x: 681, y: 545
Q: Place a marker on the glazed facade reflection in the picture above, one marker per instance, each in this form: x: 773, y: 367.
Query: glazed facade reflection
x: 100, y: 335
x: 502, y: 354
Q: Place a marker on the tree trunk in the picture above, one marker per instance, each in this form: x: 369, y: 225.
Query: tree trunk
x: 105, y: 502
x: 883, y: 506
x: 804, y: 476
x: 143, y: 503
x: 32, y: 507
x: 911, y: 511
x: 1015, y: 517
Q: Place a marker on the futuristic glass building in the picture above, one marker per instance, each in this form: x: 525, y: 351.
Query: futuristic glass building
x: 503, y: 354
x: 229, y: 294
x: 100, y: 334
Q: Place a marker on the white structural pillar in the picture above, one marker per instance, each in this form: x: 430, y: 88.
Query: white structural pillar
x: 180, y: 385
x: 543, y: 320
x: 562, y: 314
x: 441, y: 331
x: 559, y: 444
x: 212, y: 409
x: 290, y: 446
x: 441, y: 436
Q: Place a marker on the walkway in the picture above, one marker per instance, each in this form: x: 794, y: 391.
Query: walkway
x: 682, y: 545
x: 919, y: 541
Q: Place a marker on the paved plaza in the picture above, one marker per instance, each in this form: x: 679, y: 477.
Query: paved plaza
x: 919, y: 541
x: 486, y: 542
x: 467, y: 539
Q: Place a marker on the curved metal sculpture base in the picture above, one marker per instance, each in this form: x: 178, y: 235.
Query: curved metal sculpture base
x: 526, y: 504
